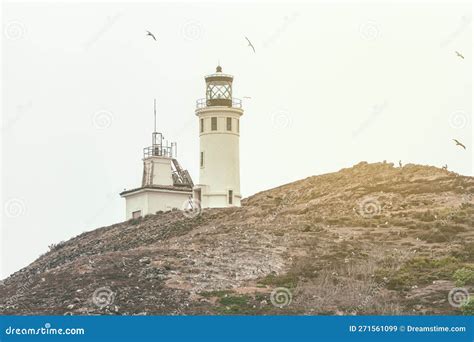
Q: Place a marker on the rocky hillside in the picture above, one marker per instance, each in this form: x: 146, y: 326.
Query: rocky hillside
x: 371, y: 239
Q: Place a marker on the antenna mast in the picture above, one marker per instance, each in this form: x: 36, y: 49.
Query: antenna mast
x: 155, y: 114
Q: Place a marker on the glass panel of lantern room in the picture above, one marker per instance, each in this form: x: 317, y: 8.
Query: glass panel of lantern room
x: 219, y: 90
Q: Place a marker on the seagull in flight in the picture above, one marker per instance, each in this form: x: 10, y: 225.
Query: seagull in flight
x: 459, y: 144
x: 151, y: 35
x: 250, y: 44
x: 459, y: 54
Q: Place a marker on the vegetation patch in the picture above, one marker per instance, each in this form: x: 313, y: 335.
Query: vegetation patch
x: 464, y: 276
x: 419, y: 271
x: 289, y: 280
x: 468, y: 308
x: 236, y: 305
x: 218, y: 293
x: 465, y: 252
x: 442, y: 234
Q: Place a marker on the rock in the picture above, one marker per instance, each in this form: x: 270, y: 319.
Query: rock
x: 152, y: 273
x: 145, y: 261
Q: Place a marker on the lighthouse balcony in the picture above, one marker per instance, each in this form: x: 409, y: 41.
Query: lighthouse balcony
x: 223, y: 102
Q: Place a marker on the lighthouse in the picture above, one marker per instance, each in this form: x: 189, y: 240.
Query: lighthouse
x: 219, y: 131
x: 165, y: 184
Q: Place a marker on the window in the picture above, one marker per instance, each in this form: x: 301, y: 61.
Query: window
x: 136, y: 214
x: 202, y: 159
x: 202, y: 125
x: 229, y: 124
x: 231, y: 195
x: 219, y: 91
x: 238, y: 126
x: 214, y: 124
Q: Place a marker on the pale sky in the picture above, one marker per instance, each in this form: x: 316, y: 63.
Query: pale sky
x: 331, y: 84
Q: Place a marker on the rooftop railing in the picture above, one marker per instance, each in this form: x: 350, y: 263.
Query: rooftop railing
x: 234, y: 103
x: 159, y: 151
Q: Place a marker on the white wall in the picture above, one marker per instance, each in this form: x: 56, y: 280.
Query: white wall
x: 149, y: 201
x: 162, y: 200
x: 135, y: 202
x: 221, y: 170
x: 160, y: 169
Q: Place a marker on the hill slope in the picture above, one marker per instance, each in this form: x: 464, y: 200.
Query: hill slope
x: 371, y: 239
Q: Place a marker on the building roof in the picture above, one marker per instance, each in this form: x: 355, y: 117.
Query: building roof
x: 183, y: 188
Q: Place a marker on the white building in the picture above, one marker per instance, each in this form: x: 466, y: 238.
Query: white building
x: 219, y: 129
x: 165, y: 185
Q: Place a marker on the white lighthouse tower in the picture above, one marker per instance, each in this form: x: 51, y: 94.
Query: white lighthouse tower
x: 219, y: 130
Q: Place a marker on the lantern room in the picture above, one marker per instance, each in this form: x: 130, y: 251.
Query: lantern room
x: 219, y: 89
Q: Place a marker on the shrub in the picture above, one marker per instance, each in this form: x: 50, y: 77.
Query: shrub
x: 56, y: 246
x: 464, y: 276
x: 468, y: 308
x: 465, y: 253
x: 135, y: 221
x: 426, y: 216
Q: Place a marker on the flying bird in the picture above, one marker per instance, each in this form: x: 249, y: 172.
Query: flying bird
x: 250, y: 44
x: 151, y: 35
x: 459, y: 55
x: 459, y: 144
